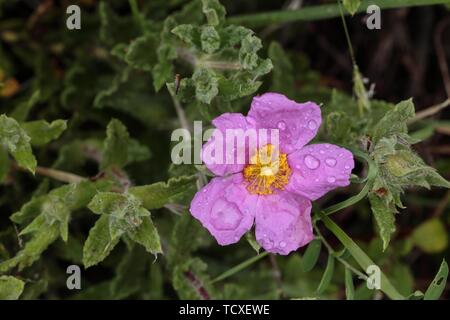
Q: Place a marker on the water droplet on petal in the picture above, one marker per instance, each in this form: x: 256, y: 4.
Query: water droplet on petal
x: 312, y: 124
x: 322, y: 151
x: 298, y: 166
x: 281, y: 125
x: 311, y: 162
x: 347, y: 167
x: 331, y: 162
x: 282, y: 244
x: 331, y: 179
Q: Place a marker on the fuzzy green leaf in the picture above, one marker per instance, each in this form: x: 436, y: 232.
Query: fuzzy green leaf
x: 41, y: 132
x: 147, y: 235
x: 17, y: 141
x: 115, y: 146
x: 214, y: 12
x: 157, y: 195
x: 99, y: 243
x: 10, y: 288
x: 394, y: 121
x: 384, y: 216
x: 206, y: 85
x: 141, y: 54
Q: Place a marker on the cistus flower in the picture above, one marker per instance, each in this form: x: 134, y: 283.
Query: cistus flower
x: 275, y: 186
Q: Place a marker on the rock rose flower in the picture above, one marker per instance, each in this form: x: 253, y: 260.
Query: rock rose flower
x: 276, y: 195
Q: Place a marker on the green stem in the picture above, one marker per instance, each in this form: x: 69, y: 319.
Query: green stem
x: 320, y: 12
x: 239, y: 267
x: 336, y: 255
x: 347, y: 34
x: 361, y: 258
x: 137, y: 16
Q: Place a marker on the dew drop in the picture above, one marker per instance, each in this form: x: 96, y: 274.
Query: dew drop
x: 331, y: 162
x: 312, y: 125
x: 347, y: 167
x: 282, y: 244
x: 281, y: 125
x: 311, y: 162
x: 322, y: 151
x: 331, y: 179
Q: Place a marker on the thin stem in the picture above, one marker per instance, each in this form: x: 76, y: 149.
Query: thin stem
x: 347, y: 35
x: 137, y: 16
x: 320, y: 12
x: 336, y: 255
x: 55, y: 174
x: 430, y: 111
x: 239, y: 267
x: 361, y: 258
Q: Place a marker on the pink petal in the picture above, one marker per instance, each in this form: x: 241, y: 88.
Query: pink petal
x: 222, y: 165
x: 225, y: 208
x: 283, y: 222
x: 318, y: 169
x: 297, y: 123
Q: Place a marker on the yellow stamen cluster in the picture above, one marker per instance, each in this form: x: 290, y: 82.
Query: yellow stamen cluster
x: 268, y: 170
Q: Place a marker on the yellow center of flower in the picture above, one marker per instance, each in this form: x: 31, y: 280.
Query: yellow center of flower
x: 268, y: 170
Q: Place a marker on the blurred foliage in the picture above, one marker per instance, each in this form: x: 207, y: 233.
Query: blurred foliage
x: 85, y: 173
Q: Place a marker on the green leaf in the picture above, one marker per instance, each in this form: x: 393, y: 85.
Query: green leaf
x: 33, y: 249
x: 187, y: 33
x: 431, y: 236
x: 247, y: 53
x: 141, y: 54
x: 384, y: 216
x: 147, y: 235
x: 394, y: 121
x: 99, y: 243
x: 206, y: 85
x: 349, y: 287
x: 361, y: 258
x: 214, y: 12
x: 352, y: 5
x: 311, y: 255
x: 157, y: 195
x: 41, y: 132
x: 327, y: 275
x: 10, y: 288
x: 20, y: 113
x: 16, y: 140
x: 210, y: 39
x: 115, y: 146
x: 438, y: 284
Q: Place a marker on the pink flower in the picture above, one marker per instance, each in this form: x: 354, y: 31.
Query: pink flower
x: 277, y: 200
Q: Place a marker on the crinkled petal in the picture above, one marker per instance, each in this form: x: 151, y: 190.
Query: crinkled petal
x: 297, y: 123
x: 225, y: 208
x: 214, y: 152
x: 319, y: 168
x: 283, y: 222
